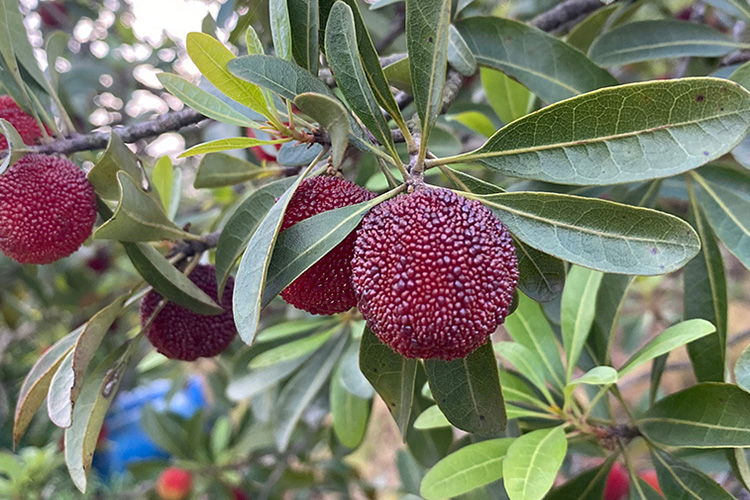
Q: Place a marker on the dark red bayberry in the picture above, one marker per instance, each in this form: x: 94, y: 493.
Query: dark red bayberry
x: 326, y: 287
x: 179, y: 333
x: 25, y: 125
x: 433, y: 273
x: 47, y: 209
x: 617, y: 486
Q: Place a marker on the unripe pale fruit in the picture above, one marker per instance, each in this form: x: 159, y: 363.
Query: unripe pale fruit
x: 433, y: 273
x: 174, y: 484
x: 25, y: 125
x: 179, y: 333
x: 325, y: 288
x: 47, y: 209
x: 650, y: 477
x: 617, y: 486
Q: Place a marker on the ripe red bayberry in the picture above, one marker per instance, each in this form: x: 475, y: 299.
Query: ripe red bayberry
x: 326, y: 287
x: 25, y: 125
x: 179, y: 333
x: 174, y: 484
x: 47, y: 209
x: 617, y: 486
x: 433, y: 273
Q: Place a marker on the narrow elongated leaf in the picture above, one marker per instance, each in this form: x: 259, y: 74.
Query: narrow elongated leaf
x: 545, y: 65
x: 342, y: 55
x: 742, y: 370
x: 332, y: 116
x: 16, y: 147
x: 391, y: 375
x: 117, y: 157
x: 705, y: 296
x: 527, y: 362
x: 597, y: 234
x: 281, y: 30
x: 681, y: 481
x: 538, y: 454
x: 162, y: 178
x: 584, y: 33
x: 588, y: 485
x: 242, y: 224
x: 219, y: 169
x: 431, y: 418
x: 508, y: 98
x: 256, y: 382
x: 622, y: 134
x: 609, y: 302
x: 727, y: 211
x: 737, y: 8
x: 228, y: 144
x: 577, y: 313
x: 599, y: 375
x: 36, y: 384
x: 302, y: 388
x: 59, y: 405
x: 427, y: 23
x: 251, y: 276
x: 287, y: 329
x: 281, y: 77
x: 706, y: 415
x: 459, y: 54
x: 467, y: 390
x: 304, y: 20
x: 203, y: 101
x: 293, y: 349
x: 528, y: 326
x: 211, y: 58
x: 657, y: 39
x: 463, y: 470
x: 350, y: 414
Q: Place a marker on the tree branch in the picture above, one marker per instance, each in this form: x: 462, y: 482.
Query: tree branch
x: 564, y: 12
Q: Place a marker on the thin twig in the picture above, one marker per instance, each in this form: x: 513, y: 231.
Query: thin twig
x: 564, y: 12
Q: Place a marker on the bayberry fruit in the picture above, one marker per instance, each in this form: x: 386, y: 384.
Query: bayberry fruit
x: 25, y: 125
x: 325, y: 288
x: 179, y: 333
x: 174, y: 484
x: 47, y: 209
x: 433, y: 273
x: 617, y: 486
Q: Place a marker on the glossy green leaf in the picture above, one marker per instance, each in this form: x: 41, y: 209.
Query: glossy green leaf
x: 515, y: 390
x: 545, y: 65
x: 391, y: 375
x: 343, y: 57
x: 538, y: 454
x: 527, y: 362
x: 36, y: 384
x: 541, y: 276
x: 211, y: 58
x: 398, y: 75
x: 332, y: 116
x: 292, y: 349
x: 427, y: 23
x: 599, y: 375
x: 203, y: 102
x: 706, y: 415
x: 737, y: 8
x: 609, y: 302
x: 304, y: 20
x: 281, y: 77
x: 281, y: 30
x: 251, y: 276
x: 705, y: 296
x: 742, y: 370
x: 431, y: 418
x: 459, y: 54
x: 475, y: 121
x: 657, y: 39
x: 622, y: 134
x: 508, y: 98
x: 528, y: 326
x: 577, y: 312
x: 594, y: 233
x: 162, y: 178
x: 16, y: 147
x: 350, y: 414
x: 467, y: 390
x: 117, y: 157
x: 726, y: 212
x: 468, y: 468
x: 583, y: 34
x: 302, y: 388
x: 228, y: 144
x: 681, y: 481
x: 351, y: 376
x: 254, y: 383
x: 59, y: 404
x: 287, y: 329
x: 589, y: 485
x: 219, y: 169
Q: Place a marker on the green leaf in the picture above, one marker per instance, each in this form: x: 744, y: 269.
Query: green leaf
x: 468, y: 468
x: 219, y: 169
x: 609, y: 302
x: 584, y: 33
x: 705, y: 296
x: 256, y: 382
x: 16, y: 147
x: 398, y: 75
x: 220, y: 145
x: 588, y: 485
x: 203, y: 102
x: 343, y: 57
x: 287, y: 329
x: 116, y: 158
x: 350, y: 414
x: 577, y: 312
x: 737, y: 8
x: 303, y: 20
x: 594, y: 233
x: 622, y: 134
x: 548, y: 67
x: 681, y: 481
x: 98, y: 391
x: 742, y: 370
x: 508, y: 98
x: 332, y: 116
x: 162, y: 178
x: 541, y: 276
x: 251, y: 276
x: 706, y: 415
x: 467, y: 390
x: 167, y: 431
x: 670, y: 339
x: 473, y: 120
x: 726, y: 212
x: 431, y: 418
x: 281, y: 30
x: 529, y: 327
x: 351, y: 376
x: 302, y: 388
x: 292, y: 349
x: 599, y: 375
x: 427, y: 23
x: 211, y: 58
x: 281, y: 77
x: 539, y: 453
x: 527, y: 362
x: 641, y: 490
x: 139, y: 217
x: 658, y: 39
x: 391, y: 375
x: 515, y: 390
x: 459, y: 55
x: 36, y: 384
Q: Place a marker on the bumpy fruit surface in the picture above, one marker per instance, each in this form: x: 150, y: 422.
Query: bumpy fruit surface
x: 326, y: 287
x: 47, y: 209
x: 617, y: 486
x: 174, y: 484
x: 433, y: 273
x: 25, y: 125
x: 179, y: 333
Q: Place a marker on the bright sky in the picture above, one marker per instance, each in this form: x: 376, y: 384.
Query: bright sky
x: 176, y: 17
